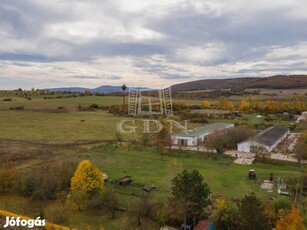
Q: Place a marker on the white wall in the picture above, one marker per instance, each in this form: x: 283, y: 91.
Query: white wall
x: 243, y: 147
x: 190, y: 140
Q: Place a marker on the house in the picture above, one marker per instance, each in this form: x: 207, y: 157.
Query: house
x: 198, y: 135
x: 265, y: 140
x: 302, y: 117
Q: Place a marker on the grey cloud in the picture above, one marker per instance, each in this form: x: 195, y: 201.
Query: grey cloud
x: 247, y: 36
x: 104, y: 76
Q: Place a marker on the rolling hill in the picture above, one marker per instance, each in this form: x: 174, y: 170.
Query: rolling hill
x: 100, y: 89
x: 273, y: 82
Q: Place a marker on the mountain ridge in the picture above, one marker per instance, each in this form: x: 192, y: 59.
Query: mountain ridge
x: 272, y: 82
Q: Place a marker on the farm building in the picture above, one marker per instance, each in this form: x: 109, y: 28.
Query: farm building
x: 198, y: 135
x: 266, y: 139
x: 302, y: 117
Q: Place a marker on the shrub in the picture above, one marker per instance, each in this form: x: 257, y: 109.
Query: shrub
x: 94, y: 106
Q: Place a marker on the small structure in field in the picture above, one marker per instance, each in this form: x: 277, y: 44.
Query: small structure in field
x: 283, y: 193
x: 281, y: 184
x: 252, y: 174
x: 149, y: 188
x: 105, y: 177
x: 302, y: 117
x: 267, y: 185
x: 125, y: 180
x: 266, y: 140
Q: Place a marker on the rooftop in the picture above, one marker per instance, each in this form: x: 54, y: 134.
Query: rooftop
x: 204, y: 130
x: 270, y: 135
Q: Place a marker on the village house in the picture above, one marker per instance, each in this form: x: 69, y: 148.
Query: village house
x: 198, y: 135
x: 266, y: 140
x: 302, y: 117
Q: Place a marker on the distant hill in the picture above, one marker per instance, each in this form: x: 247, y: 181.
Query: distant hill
x: 67, y: 89
x: 273, y: 82
x: 100, y: 89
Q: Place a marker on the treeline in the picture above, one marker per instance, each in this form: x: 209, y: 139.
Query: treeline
x: 251, y: 105
x: 29, y: 94
x: 252, y: 213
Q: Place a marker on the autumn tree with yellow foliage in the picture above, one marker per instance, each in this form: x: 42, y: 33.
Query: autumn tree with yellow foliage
x: 244, y: 106
x: 86, y: 183
x: 228, y: 105
x: 206, y: 105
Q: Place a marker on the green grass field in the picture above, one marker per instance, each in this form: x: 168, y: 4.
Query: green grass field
x: 148, y: 167
x: 29, y: 125
x: 68, y: 103
x: 40, y: 121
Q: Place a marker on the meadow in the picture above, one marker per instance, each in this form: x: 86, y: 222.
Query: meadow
x: 146, y: 166
x: 42, y: 132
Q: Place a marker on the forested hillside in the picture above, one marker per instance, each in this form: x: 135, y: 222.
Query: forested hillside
x: 273, y: 82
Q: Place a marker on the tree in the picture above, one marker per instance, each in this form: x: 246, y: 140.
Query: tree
x: 8, y: 177
x: 228, y: 139
x: 111, y: 202
x: 290, y: 219
x: 285, y: 106
x: 217, y: 140
x: 163, y: 139
x: 237, y: 134
x: 226, y: 215
x: 271, y: 106
x: 299, y: 106
x: 173, y: 167
x: 88, y: 92
x: 301, y: 147
x: 189, y: 194
x: 86, y: 182
x: 228, y: 105
x: 206, y: 104
x: 222, y: 101
x: 244, y: 105
x: 282, y: 203
x: 254, y: 103
x: 253, y: 214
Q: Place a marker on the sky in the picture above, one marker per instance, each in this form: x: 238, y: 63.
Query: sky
x: 152, y: 43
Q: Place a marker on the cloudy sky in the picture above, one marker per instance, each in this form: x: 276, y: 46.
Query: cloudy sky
x: 148, y: 42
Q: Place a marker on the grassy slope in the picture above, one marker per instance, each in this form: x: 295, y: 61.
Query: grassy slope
x: 70, y: 103
x: 27, y: 125
x: 147, y: 167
